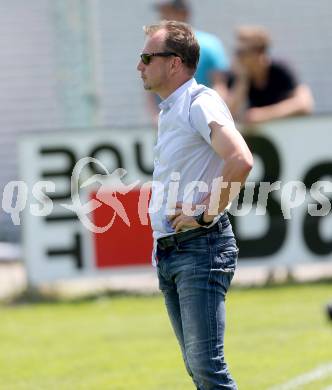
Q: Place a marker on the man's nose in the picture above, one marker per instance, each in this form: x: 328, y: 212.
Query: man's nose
x: 140, y: 65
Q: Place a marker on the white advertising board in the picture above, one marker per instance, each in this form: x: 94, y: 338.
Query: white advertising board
x: 295, y: 153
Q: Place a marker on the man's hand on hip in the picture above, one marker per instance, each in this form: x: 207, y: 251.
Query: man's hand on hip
x: 182, y: 219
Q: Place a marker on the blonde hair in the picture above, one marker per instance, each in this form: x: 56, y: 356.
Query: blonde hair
x: 256, y: 37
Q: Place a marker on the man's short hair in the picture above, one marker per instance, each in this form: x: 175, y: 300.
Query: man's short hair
x: 255, y: 37
x: 180, y: 39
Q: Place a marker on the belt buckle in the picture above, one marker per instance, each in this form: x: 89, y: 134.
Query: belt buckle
x: 170, y: 241
x: 161, y: 245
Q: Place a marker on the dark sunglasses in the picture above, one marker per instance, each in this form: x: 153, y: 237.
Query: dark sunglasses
x: 147, y: 57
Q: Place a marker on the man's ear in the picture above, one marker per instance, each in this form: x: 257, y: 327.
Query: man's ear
x: 175, y: 64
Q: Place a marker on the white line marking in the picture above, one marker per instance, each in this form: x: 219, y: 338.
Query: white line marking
x: 312, y: 376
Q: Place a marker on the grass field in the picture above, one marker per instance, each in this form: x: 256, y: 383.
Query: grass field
x: 125, y: 343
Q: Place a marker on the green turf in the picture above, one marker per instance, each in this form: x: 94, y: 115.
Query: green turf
x: 126, y: 343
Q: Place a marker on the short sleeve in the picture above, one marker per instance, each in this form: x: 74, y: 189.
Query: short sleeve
x: 286, y: 76
x: 280, y: 85
x: 206, y: 109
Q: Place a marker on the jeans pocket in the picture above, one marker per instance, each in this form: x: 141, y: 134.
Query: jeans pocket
x: 225, y: 261
x: 222, y: 268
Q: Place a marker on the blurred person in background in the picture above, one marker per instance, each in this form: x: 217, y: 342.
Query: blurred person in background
x: 261, y: 88
x: 213, y: 64
x: 195, y: 253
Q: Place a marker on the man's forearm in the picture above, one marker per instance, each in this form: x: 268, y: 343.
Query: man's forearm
x: 301, y: 103
x: 233, y: 177
x: 218, y: 83
x: 237, y: 97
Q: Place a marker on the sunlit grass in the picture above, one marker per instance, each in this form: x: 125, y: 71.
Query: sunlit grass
x: 126, y: 343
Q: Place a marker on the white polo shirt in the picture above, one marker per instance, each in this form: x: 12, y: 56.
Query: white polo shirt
x: 183, y: 153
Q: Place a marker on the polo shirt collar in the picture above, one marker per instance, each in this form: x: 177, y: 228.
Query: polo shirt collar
x: 171, y: 99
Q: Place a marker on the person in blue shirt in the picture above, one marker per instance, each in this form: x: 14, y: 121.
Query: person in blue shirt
x: 213, y: 64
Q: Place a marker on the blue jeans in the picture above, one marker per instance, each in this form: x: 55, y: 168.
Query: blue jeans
x: 194, y: 277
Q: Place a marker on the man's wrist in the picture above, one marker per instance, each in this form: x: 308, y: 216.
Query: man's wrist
x: 203, y: 219
x: 207, y: 218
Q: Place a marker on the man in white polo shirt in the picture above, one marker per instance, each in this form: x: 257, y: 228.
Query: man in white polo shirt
x: 195, y: 253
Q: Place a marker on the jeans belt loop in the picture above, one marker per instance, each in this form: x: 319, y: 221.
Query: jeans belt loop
x: 220, y: 225
x: 176, y: 242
